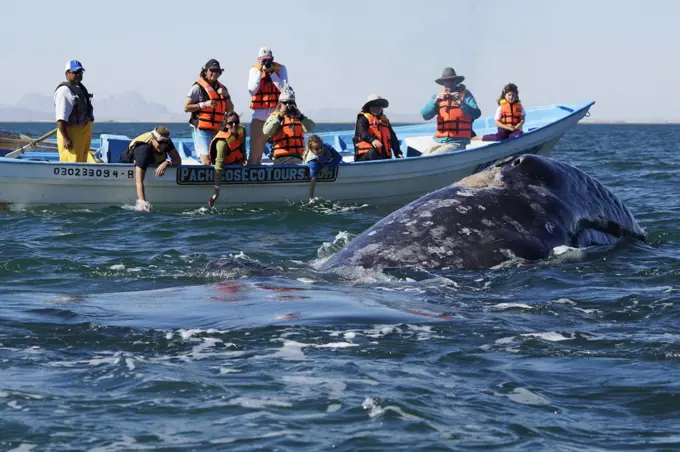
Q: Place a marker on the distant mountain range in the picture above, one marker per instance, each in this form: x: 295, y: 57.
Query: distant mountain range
x: 131, y: 106
x: 128, y: 106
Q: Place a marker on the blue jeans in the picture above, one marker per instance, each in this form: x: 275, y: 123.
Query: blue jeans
x: 202, y: 139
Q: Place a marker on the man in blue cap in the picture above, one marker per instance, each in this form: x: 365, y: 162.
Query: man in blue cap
x: 73, y: 105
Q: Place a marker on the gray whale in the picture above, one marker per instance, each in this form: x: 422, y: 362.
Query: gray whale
x: 519, y: 207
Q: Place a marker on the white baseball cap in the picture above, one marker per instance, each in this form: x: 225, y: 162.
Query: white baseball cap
x: 264, y: 53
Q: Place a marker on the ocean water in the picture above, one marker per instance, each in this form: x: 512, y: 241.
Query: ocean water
x: 116, y: 334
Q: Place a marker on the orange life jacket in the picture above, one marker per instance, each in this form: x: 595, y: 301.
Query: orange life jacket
x: 233, y: 142
x: 267, y: 95
x: 511, y: 113
x: 379, y: 128
x: 452, y: 122
x: 210, y: 118
x: 289, y: 140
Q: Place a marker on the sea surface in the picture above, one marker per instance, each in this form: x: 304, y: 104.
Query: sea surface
x: 116, y: 334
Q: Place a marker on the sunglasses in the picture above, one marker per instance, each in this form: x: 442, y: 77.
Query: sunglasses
x: 287, y: 102
x: 233, y: 123
x: 216, y: 71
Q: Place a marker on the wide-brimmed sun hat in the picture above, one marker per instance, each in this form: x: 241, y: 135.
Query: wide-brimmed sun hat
x: 375, y: 101
x: 449, y: 74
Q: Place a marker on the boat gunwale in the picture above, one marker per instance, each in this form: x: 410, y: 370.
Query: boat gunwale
x: 493, y: 145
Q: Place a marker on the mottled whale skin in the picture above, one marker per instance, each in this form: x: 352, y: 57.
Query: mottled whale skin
x: 520, y: 207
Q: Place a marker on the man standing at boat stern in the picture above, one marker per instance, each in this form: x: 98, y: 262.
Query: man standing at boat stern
x: 455, y: 108
x: 74, y: 113
x: 265, y: 82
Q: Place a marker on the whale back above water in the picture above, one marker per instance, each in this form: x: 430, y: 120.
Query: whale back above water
x: 521, y: 207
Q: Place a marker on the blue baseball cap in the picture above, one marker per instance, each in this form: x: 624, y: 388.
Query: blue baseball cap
x: 74, y: 66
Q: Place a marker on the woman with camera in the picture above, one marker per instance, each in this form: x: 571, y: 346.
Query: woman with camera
x: 286, y: 129
x: 265, y: 81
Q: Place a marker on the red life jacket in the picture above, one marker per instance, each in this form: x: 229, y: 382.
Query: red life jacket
x: 267, y: 95
x: 379, y: 128
x: 289, y: 140
x: 210, y: 118
x: 452, y: 122
x: 234, y: 142
x: 511, y: 113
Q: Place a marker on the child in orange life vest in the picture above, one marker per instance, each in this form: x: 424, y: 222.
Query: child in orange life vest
x: 509, y: 115
x: 227, y: 148
x: 319, y: 156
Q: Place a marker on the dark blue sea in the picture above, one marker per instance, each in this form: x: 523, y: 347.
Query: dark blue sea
x: 114, y: 336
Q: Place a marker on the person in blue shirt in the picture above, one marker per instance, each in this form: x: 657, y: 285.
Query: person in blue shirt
x: 319, y: 157
x: 455, y: 108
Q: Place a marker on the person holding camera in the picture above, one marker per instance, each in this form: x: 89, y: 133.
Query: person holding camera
x: 265, y: 81
x: 374, y: 138
x: 208, y: 101
x: 286, y: 129
x: 455, y: 108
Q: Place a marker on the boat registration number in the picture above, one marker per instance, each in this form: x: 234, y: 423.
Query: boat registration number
x: 91, y: 172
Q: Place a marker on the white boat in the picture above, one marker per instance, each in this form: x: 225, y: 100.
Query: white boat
x: 38, y: 179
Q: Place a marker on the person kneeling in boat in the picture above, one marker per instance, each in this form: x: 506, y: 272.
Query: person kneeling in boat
x: 227, y: 148
x: 150, y: 148
x: 455, y: 108
x: 286, y: 129
x: 509, y: 116
x: 374, y: 138
x: 319, y: 157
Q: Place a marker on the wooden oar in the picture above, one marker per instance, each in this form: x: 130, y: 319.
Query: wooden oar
x: 13, y: 143
x: 32, y: 144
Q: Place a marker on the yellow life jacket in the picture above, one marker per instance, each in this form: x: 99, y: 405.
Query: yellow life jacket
x: 146, y: 138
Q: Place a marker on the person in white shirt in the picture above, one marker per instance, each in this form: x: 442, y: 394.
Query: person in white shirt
x: 265, y: 81
x: 74, y: 115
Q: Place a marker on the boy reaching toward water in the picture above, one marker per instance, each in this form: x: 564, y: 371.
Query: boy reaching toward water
x: 319, y: 157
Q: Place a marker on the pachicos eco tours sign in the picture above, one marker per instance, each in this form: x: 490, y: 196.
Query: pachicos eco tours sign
x: 201, y: 175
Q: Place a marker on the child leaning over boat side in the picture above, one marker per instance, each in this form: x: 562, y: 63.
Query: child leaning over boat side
x: 319, y: 157
x: 509, y: 115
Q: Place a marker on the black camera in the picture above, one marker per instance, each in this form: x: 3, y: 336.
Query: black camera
x: 266, y: 63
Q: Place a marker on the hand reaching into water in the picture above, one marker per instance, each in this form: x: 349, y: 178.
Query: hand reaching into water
x: 143, y: 206
x: 213, y: 198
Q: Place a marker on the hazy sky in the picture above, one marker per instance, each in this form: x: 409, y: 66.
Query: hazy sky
x: 621, y: 53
